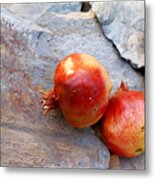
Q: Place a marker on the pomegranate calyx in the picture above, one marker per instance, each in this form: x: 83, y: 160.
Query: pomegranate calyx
x: 49, y: 100
x: 124, y: 86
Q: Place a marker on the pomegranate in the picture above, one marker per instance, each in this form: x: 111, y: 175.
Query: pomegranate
x: 123, y: 124
x: 81, y: 90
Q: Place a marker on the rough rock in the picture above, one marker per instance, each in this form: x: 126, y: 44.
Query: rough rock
x: 34, y: 10
x: 27, y: 10
x: 65, y: 8
x: 30, y: 51
x: 133, y: 163
x: 120, y: 163
x: 123, y: 23
x: 80, y: 32
x: 29, y: 139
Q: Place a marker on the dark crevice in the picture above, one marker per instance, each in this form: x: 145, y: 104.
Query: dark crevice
x: 141, y: 71
x: 97, y: 129
x: 132, y: 65
x: 39, y: 34
x: 85, y: 7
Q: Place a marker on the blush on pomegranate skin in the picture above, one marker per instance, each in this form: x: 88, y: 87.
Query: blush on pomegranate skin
x: 123, y: 123
x: 81, y: 90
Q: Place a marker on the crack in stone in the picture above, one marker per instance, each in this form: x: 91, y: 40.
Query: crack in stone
x: 38, y: 37
x: 85, y: 7
x: 132, y: 65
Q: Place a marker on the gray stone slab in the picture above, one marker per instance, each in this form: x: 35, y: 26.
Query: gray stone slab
x: 30, y: 52
x: 34, y: 10
x: 29, y: 139
x: 123, y: 23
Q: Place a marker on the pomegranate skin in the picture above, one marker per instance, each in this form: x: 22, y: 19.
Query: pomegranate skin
x: 123, y: 124
x: 81, y: 90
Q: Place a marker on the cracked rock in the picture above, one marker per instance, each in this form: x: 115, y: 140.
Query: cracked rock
x: 80, y: 32
x: 30, y: 52
x: 29, y: 139
x: 123, y: 23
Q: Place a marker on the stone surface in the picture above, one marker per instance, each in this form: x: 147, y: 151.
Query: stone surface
x: 123, y: 23
x: 30, y: 51
x: 34, y: 10
x: 133, y: 163
x: 117, y: 163
x: 114, y: 162
x: 27, y: 10
x: 80, y: 32
x: 29, y: 139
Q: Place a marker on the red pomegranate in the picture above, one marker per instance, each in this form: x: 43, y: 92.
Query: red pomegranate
x: 81, y: 90
x: 123, y: 124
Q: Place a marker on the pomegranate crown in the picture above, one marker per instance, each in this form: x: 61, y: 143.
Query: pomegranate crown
x: 124, y: 86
